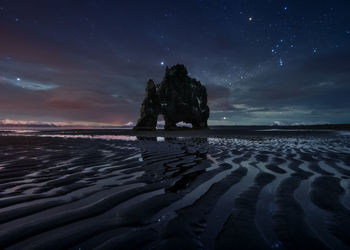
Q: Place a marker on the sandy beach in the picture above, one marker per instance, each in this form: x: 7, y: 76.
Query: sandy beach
x: 208, y: 189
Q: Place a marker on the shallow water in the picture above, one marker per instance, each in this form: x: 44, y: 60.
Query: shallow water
x: 62, y: 190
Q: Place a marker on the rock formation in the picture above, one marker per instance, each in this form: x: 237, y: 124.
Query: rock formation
x: 178, y: 98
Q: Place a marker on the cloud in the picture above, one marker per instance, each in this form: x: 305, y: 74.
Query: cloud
x: 26, y: 84
x: 216, y: 91
x: 67, y: 104
x: 68, y: 75
x: 9, y: 122
x: 277, y: 123
x: 130, y: 124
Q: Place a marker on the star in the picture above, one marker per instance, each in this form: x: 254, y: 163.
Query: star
x: 250, y: 19
x: 285, y: 8
x: 281, y: 62
x: 18, y: 79
x: 315, y: 50
x: 162, y: 63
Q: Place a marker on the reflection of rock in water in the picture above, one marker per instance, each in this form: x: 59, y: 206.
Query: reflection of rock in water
x: 146, y: 138
x: 174, y: 158
x: 178, y: 98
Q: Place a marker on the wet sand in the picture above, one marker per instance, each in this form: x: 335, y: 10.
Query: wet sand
x: 216, y: 189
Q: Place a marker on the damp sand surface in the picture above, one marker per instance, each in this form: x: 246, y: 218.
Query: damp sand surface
x: 209, y: 189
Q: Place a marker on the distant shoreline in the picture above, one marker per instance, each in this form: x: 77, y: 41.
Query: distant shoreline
x: 314, y: 126
x: 212, y: 132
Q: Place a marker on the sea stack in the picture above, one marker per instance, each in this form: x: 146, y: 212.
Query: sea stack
x: 179, y: 98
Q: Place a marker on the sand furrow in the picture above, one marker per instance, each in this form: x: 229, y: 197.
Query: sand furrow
x: 190, y: 221
x: 12, y: 235
x: 240, y: 230
x: 326, y: 192
x: 288, y: 220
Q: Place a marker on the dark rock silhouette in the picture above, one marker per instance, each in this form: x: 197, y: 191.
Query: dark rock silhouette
x: 178, y: 98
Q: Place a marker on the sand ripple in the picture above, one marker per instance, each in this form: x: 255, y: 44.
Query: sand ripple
x: 285, y: 192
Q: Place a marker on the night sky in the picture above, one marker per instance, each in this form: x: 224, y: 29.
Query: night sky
x: 262, y: 61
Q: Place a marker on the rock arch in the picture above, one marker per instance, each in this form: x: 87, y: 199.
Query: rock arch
x: 178, y: 98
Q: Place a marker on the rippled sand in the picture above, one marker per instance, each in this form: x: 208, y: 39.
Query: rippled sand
x: 110, y: 192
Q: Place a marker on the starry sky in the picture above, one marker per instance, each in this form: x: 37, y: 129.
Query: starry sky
x: 262, y: 61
